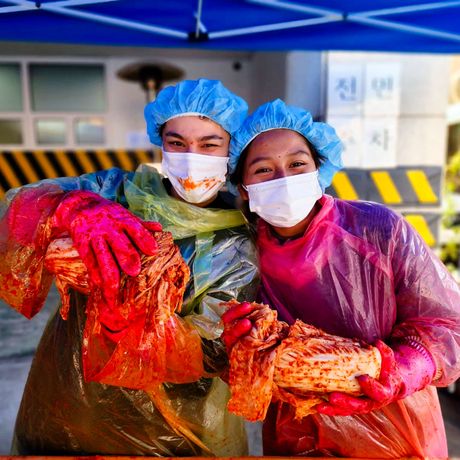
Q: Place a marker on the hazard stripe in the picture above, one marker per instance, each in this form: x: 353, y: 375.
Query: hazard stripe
x: 124, y: 160
x: 30, y: 174
x: 400, y: 186
x: 53, y: 159
x: 35, y: 165
x: 421, y: 225
x: 22, y: 167
x: 114, y: 159
x: 85, y: 162
x: 344, y: 187
x: 143, y: 157
x: 67, y: 166
x: 14, y: 165
x: 103, y: 158
x: 386, y: 187
x: 45, y: 164
x: 8, y: 172
x: 421, y: 186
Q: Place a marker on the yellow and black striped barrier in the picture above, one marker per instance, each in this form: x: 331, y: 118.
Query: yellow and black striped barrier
x: 402, y: 186
x: 409, y: 187
x: 395, y: 187
x: 427, y: 225
x: 20, y: 167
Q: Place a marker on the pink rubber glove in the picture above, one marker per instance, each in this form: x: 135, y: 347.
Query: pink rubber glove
x: 106, y: 236
x: 235, y: 324
x: 406, y: 368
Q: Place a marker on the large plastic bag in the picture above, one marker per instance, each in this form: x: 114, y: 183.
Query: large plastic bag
x: 412, y: 427
x: 61, y: 413
x: 223, y: 264
x: 153, y: 344
x: 360, y: 271
x: 25, y: 233
x: 24, y: 237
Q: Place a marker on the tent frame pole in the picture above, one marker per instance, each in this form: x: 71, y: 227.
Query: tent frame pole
x: 273, y: 27
x: 64, y: 10
x: 404, y: 27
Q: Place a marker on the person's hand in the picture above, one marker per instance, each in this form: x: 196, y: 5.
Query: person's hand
x: 407, y: 368
x: 235, y: 324
x: 107, y: 237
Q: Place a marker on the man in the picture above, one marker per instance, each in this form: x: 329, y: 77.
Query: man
x: 105, y: 215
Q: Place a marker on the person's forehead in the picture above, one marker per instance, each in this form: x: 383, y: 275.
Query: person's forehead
x: 270, y: 140
x: 191, y: 124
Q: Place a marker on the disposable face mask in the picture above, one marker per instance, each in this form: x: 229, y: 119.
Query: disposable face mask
x: 285, y: 202
x: 196, y: 178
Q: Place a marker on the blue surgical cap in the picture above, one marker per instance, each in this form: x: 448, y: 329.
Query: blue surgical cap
x: 277, y: 115
x: 208, y: 98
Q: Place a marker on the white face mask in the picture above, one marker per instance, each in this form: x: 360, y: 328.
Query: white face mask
x: 287, y: 201
x: 196, y: 178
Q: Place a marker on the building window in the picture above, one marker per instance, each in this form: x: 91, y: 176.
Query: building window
x: 10, y: 88
x: 67, y: 88
x: 10, y: 132
x: 89, y: 131
x: 53, y: 104
x: 50, y: 132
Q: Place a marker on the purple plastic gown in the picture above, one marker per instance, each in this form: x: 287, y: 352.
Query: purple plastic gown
x: 362, y: 271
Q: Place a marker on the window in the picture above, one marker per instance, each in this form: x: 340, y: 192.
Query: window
x: 50, y: 132
x: 10, y: 132
x: 54, y: 104
x: 89, y: 131
x: 67, y: 88
x: 10, y: 88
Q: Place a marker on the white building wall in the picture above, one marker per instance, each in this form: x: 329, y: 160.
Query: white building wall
x: 268, y: 78
x: 299, y: 77
x: 127, y: 99
x: 422, y: 122
x: 306, y: 81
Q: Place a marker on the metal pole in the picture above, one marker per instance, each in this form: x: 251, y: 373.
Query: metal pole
x: 198, y: 18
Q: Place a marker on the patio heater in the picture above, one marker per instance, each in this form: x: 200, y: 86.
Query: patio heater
x: 150, y: 75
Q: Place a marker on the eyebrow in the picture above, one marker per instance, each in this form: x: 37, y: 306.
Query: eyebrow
x: 173, y: 134
x: 212, y: 137
x: 204, y: 138
x: 263, y: 158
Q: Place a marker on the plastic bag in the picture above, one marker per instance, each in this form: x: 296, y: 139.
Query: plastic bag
x: 360, y: 271
x: 24, y: 237
x: 61, y: 413
x: 154, y: 345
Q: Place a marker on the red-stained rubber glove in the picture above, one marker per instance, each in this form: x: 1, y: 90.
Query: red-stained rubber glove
x: 235, y: 324
x: 107, y: 236
x: 406, y: 368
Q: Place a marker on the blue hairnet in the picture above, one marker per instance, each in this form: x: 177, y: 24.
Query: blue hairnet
x: 277, y: 115
x: 204, y: 97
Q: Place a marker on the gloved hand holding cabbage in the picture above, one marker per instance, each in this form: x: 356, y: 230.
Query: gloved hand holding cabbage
x: 314, y: 371
x: 406, y: 368
x: 106, y: 235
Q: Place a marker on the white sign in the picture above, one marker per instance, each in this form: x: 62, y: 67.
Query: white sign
x: 350, y: 132
x: 344, y: 89
x: 380, y: 137
x: 382, y: 93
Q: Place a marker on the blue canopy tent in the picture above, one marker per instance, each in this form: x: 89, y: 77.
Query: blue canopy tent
x: 378, y: 25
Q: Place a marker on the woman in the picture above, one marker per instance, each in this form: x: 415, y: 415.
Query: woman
x: 105, y: 213
x: 354, y: 269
